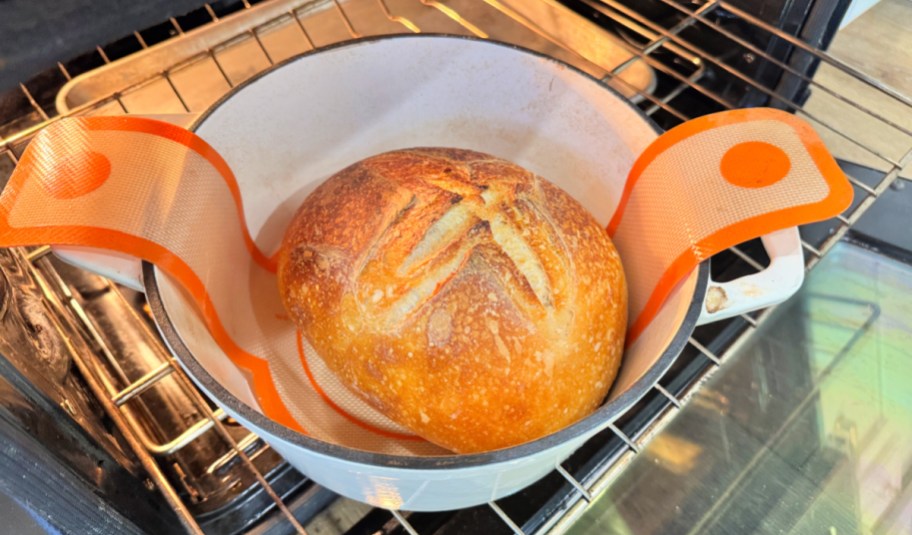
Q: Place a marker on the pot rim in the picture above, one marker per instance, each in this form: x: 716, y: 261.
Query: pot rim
x: 594, y: 422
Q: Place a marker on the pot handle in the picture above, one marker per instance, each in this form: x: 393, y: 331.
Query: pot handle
x: 768, y: 287
x: 121, y: 268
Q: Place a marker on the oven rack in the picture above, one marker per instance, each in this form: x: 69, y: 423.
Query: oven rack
x: 655, y: 40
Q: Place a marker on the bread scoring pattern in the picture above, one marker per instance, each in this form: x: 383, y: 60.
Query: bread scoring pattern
x: 473, y: 209
x: 467, y: 299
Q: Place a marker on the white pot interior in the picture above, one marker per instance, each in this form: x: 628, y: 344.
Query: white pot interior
x: 287, y: 131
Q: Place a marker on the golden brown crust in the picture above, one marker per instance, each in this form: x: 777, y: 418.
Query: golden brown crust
x: 472, y: 302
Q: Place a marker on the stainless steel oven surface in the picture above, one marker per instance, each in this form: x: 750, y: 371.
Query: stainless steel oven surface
x: 789, y: 420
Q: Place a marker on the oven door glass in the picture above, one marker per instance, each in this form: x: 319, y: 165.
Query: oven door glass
x: 805, y: 428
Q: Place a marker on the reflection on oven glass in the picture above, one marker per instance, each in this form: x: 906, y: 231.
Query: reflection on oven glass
x: 803, y: 430
x: 17, y: 520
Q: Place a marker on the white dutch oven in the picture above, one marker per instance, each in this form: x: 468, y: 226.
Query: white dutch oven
x: 292, y: 127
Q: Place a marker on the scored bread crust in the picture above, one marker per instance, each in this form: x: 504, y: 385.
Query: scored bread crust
x: 467, y: 299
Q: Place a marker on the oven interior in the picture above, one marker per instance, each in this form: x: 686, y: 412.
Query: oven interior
x: 105, y: 432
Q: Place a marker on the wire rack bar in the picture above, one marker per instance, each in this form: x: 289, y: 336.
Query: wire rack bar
x: 652, y: 37
x: 142, y: 384
x: 839, y: 64
x: 140, y: 438
x: 782, y: 65
x: 100, y: 387
x: 297, y: 19
x: 863, y: 207
x: 176, y: 25
x: 706, y: 352
x: 669, y: 35
x: 211, y: 12
x: 64, y: 71
x: 139, y: 38
x: 406, y: 525
x: 623, y: 436
x: 411, y: 26
x: 584, y: 492
x: 188, y: 436
x: 180, y: 98
x: 747, y: 259
x: 346, y: 21
x: 506, y: 518
x: 38, y: 252
x: 216, y: 417
x: 242, y: 444
x: 103, y: 54
x: 31, y: 100
x: 751, y: 322
x: 671, y: 397
x: 455, y: 16
x: 627, y: 12
x: 662, y: 104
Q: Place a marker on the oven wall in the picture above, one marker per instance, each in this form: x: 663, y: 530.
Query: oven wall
x: 39, y: 33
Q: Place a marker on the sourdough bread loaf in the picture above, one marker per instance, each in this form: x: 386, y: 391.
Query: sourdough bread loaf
x: 464, y: 297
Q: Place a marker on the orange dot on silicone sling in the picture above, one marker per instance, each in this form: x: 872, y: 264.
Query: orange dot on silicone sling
x: 75, y: 175
x: 755, y: 164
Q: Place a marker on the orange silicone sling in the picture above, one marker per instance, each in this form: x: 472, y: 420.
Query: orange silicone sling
x: 160, y: 193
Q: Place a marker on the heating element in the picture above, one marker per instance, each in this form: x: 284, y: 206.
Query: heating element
x: 676, y: 65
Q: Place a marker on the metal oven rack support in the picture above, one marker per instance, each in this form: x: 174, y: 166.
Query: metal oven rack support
x: 116, y: 393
